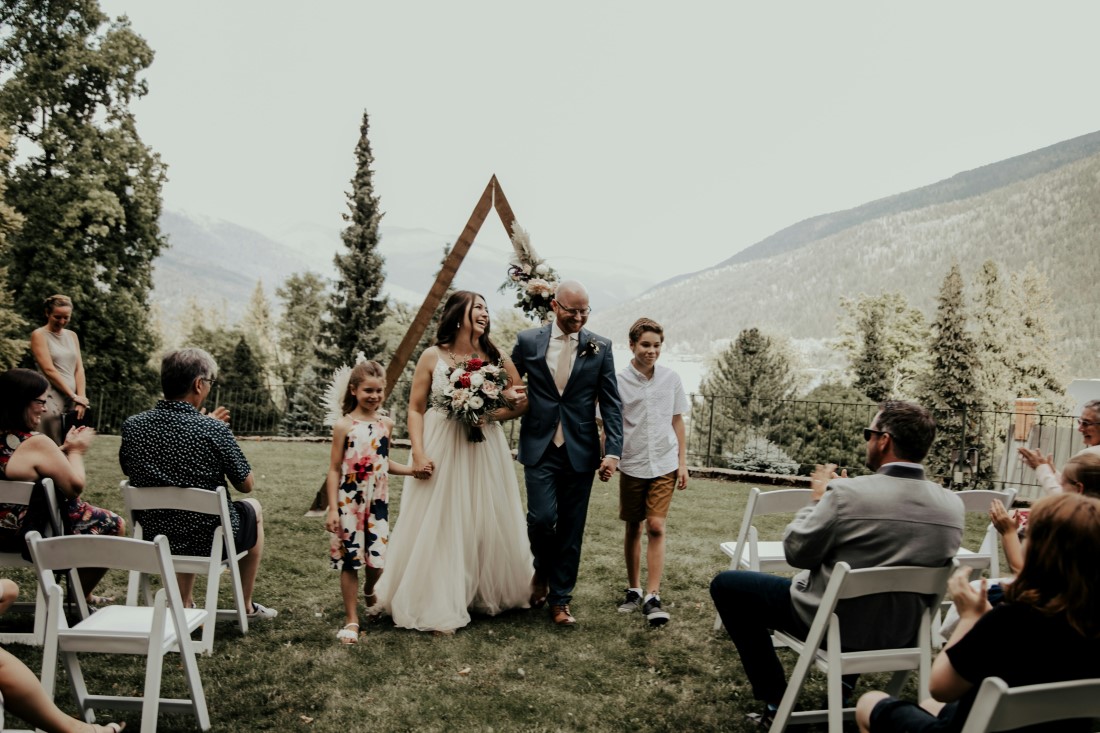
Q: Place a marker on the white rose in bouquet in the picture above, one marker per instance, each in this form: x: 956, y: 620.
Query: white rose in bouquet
x: 541, y: 269
x: 477, y: 379
x: 459, y: 398
x: 475, y: 402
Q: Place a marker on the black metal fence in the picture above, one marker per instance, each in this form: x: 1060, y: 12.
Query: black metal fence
x: 974, y: 448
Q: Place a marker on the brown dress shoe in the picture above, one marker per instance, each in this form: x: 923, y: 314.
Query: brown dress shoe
x: 560, y: 616
x: 539, y: 590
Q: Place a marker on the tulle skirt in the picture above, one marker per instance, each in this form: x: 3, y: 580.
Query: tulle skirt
x: 460, y: 539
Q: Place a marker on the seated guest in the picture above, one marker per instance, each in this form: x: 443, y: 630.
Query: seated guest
x: 892, y: 517
x: 1088, y: 425
x: 27, y: 455
x: 21, y: 693
x: 178, y: 444
x: 1046, y: 630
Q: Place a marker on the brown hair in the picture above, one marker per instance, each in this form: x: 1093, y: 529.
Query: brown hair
x: 1060, y: 573
x: 910, y: 426
x: 57, y: 301
x: 18, y: 387
x: 455, y: 312
x: 641, y: 326
x: 359, y: 372
x: 1084, y: 469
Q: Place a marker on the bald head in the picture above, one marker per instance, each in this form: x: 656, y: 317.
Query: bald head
x: 570, y: 306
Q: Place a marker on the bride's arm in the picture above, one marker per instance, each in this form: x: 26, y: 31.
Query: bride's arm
x: 516, y: 393
x: 418, y: 405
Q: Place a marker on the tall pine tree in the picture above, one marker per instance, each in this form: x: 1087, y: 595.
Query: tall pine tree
x: 303, y: 299
x: 87, y: 186
x: 357, y: 308
x: 1037, y: 366
x: 993, y: 336
x: 951, y: 386
x: 886, y: 342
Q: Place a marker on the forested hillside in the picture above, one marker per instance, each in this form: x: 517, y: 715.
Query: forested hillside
x: 1051, y: 219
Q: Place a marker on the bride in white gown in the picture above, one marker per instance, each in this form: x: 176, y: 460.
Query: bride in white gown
x: 460, y: 541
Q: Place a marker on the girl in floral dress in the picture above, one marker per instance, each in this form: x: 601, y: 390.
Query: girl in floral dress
x: 358, y: 493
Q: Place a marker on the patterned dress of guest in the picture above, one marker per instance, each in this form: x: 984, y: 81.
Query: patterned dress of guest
x: 363, y: 499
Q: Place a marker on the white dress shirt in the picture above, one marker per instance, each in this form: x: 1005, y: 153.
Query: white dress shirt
x: 650, y: 446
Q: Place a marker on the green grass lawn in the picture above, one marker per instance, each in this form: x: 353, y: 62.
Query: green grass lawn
x: 515, y: 672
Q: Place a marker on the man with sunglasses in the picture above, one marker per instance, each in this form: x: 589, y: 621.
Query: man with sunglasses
x: 1088, y: 425
x: 894, y: 516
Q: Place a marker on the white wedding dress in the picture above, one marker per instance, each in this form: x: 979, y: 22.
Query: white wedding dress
x: 460, y: 540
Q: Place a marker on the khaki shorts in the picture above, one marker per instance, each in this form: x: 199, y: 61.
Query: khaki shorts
x: 645, y: 497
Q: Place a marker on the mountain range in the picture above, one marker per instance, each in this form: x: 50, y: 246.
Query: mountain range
x: 1041, y: 207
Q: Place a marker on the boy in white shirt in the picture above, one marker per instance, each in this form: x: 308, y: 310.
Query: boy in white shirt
x: 654, y: 461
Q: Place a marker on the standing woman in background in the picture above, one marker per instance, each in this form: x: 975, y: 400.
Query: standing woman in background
x: 57, y: 353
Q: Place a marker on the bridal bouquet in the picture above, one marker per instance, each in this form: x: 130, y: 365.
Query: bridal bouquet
x: 474, y: 388
x: 533, y: 279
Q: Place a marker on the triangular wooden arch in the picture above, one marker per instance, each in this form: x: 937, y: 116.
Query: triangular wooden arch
x: 493, y: 196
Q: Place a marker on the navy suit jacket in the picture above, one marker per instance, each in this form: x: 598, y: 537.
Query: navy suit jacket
x: 592, y: 379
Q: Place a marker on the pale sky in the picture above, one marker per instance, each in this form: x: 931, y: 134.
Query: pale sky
x: 668, y: 133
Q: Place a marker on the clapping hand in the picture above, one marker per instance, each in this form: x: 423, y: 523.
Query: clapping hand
x: 1035, y: 458
x: 219, y: 413
x: 1005, y: 521
x: 820, y: 478
x: 969, y: 601
x: 78, y: 439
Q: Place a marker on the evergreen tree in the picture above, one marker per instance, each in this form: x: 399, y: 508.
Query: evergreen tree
x: 241, y: 384
x: 885, y: 341
x: 951, y: 387
x: 357, y: 307
x: 86, y: 185
x: 303, y: 299
x: 1037, y: 365
x: 13, y: 327
x: 993, y: 336
x: 259, y: 329
x: 827, y: 427
x: 744, y: 389
x: 306, y: 413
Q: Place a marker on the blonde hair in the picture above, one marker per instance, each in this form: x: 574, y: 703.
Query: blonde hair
x: 359, y: 372
x: 57, y: 301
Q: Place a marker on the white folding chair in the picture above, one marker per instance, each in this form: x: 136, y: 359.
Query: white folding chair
x: 204, y: 502
x: 844, y: 584
x: 20, y: 492
x: 747, y: 552
x: 1000, y: 707
x: 149, y: 631
x: 977, y: 501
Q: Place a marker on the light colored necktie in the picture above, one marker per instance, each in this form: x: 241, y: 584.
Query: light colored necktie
x: 561, y: 377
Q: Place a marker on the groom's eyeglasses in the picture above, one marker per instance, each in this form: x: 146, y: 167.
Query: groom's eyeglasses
x: 575, y: 311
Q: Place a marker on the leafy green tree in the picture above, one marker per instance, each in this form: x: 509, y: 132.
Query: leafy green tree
x: 1038, y: 368
x: 306, y: 412
x: 86, y: 185
x: 303, y: 299
x: 744, y: 388
x: 885, y: 341
x: 13, y: 327
x: 259, y: 328
x: 993, y: 336
x: 951, y: 386
x: 357, y: 308
x: 827, y: 427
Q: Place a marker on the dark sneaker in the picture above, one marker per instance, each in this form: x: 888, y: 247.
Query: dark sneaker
x: 632, y: 603
x: 654, y: 614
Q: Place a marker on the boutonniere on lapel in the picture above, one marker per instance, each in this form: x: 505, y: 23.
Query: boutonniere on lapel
x: 592, y: 347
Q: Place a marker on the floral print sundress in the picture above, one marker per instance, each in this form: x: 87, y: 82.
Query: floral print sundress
x: 362, y: 500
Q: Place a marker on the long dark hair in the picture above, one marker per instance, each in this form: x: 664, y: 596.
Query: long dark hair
x: 18, y: 387
x: 1060, y: 573
x: 455, y: 311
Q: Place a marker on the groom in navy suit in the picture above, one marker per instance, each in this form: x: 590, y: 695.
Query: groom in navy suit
x: 569, y: 370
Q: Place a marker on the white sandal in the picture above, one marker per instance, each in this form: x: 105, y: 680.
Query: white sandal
x: 347, y: 636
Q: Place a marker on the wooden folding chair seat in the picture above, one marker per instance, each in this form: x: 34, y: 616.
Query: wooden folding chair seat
x: 149, y: 631
x: 1000, y: 707
x: 844, y: 584
x: 20, y: 493
x: 748, y: 552
x: 202, y: 501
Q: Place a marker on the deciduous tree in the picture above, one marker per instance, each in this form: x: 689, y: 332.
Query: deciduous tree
x: 87, y: 186
x: 13, y: 327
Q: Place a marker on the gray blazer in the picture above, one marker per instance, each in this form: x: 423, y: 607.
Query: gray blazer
x: 893, y: 517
